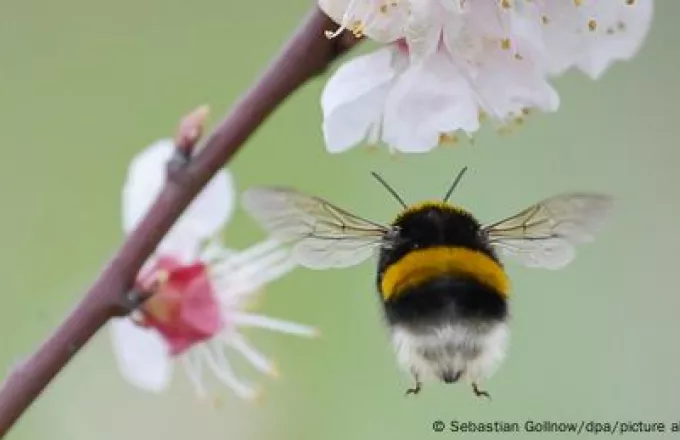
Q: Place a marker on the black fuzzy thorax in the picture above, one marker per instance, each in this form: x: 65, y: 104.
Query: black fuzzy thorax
x: 444, y: 299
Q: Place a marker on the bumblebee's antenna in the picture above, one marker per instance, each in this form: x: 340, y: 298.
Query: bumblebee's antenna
x: 455, y: 184
x: 388, y: 188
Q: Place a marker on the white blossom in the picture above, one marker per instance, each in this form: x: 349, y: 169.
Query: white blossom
x: 446, y: 62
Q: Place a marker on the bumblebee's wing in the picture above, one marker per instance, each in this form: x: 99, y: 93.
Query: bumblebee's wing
x: 543, y: 235
x: 322, y: 235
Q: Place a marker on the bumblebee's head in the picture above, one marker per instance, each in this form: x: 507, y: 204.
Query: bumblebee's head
x: 431, y: 224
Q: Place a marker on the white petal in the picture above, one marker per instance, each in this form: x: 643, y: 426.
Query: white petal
x: 141, y: 354
x: 506, y: 85
x: 353, y: 99
x: 428, y: 99
x: 380, y: 21
x: 335, y: 9
x: 423, y: 28
x: 206, y: 215
x: 620, y: 33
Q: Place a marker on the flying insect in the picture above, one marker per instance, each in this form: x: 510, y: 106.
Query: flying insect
x: 440, y: 279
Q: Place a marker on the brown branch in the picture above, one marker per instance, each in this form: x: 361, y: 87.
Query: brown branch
x: 306, y: 55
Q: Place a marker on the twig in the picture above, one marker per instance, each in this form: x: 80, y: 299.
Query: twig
x: 306, y: 55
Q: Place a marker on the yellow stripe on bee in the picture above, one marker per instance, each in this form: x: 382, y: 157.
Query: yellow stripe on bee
x: 422, y: 265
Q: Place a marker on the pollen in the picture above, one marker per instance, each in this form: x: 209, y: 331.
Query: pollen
x: 544, y: 19
x: 358, y: 28
x: 505, y: 43
x: 504, y: 130
x: 506, y: 4
x: 448, y: 139
x: 592, y: 25
x: 578, y: 3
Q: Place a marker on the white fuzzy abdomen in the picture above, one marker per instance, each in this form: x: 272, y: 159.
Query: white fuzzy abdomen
x: 472, y: 351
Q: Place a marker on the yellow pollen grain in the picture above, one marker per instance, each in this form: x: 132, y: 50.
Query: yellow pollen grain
x: 372, y: 149
x: 504, y: 130
x: 578, y: 3
x: 505, y: 43
x: 447, y: 139
x: 506, y: 4
x: 357, y: 28
x: 630, y: 2
x: 592, y: 25
x: 216, y: 402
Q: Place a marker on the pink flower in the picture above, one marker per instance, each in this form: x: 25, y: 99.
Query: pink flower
x: 201, y: 289
x: 184, y: 309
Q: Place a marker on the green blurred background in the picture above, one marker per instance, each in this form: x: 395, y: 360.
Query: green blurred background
x: 85, y: 85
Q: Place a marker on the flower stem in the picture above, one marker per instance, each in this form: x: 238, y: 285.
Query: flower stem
x: 306, y: 55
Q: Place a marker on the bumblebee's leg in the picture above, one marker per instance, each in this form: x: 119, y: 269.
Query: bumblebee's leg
x: 479, y: 392
x: 417, y: 385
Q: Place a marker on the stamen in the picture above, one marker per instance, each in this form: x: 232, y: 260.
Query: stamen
x: 255, y: 357
x: 260, y: 321
x: 195, y: 373
x: 253, y: 269
x: 220, y: 366
x: 237, y: 258
x: 330, y: 34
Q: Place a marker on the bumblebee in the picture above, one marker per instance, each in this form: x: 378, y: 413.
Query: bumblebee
x: 443, y: 287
